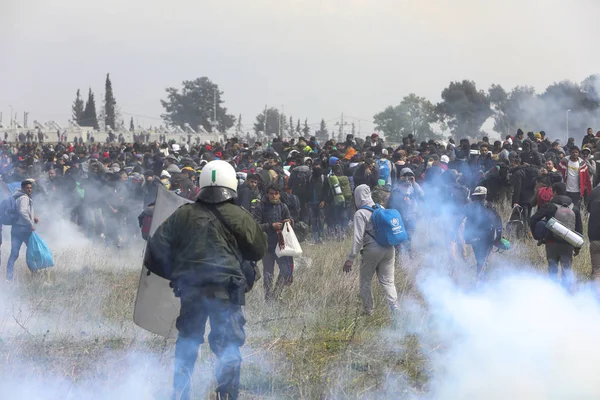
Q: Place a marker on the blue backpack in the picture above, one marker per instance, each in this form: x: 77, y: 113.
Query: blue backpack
x: 8, y: 210
x: 388, y: 226
x: 384, y: 169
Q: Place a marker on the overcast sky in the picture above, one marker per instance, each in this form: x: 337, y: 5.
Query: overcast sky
x: 317, y: 58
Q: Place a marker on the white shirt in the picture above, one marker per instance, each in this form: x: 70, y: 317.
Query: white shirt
x: 573, y: 176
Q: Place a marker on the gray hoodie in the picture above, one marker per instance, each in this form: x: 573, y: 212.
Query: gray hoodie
x: 362, y: 221
x: 24, y: 209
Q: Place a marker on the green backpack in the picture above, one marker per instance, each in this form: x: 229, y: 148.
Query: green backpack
x: 338, y: 195
x: 346, y: 189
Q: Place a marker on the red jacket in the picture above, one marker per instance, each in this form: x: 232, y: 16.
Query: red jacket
x: 585, y: 180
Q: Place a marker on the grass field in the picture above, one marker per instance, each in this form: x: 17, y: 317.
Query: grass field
x: 68, y: 333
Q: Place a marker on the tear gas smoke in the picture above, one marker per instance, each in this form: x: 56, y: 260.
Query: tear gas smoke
x: 521, y: 337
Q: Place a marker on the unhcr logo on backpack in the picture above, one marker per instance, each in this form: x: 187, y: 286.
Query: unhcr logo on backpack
x: 397, y: 227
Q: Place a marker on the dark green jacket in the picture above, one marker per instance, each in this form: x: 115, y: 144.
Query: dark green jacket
x: 195, y: 249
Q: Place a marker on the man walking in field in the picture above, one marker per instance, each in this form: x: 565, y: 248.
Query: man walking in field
x: 376, y: 259
x: 23, y: 225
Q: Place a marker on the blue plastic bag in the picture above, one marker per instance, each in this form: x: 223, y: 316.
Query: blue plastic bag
x: 38, y: 254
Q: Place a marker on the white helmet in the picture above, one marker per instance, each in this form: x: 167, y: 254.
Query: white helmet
x: 218, y: 182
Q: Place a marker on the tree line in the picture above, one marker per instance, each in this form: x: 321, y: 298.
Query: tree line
x: 463, y: 110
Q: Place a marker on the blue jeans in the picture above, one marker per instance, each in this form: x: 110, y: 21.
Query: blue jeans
x: 18, y: 236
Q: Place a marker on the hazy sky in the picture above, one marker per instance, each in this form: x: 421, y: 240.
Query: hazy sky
x: 318, y: 58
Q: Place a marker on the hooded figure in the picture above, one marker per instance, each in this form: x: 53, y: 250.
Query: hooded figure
x: 375, y: 259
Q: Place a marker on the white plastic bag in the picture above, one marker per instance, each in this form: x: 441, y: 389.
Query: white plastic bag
x: 288, y: 245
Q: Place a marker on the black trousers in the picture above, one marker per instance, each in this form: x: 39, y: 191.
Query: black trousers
x: 482, y: 250
x: 576, y: 197
x: 226, y: 337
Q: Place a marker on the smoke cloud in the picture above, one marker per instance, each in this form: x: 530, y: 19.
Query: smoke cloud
x: 521, y: 337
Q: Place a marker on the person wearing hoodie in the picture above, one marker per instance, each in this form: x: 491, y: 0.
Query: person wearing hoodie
x: 375, y: 259
x: 558, y: 250
x: 271, y: 214
x: 406, y: 198
x: 24, y: 225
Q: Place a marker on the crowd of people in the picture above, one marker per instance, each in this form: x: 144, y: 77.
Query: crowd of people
x: 326, y: 191
x: 104, y: 188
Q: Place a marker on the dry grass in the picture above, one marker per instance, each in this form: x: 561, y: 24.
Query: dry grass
x: 74, y: 325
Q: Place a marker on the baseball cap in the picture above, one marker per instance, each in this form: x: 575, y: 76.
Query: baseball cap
x: 479, y: 191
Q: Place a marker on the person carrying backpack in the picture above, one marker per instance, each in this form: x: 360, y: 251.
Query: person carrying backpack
x: 339, y: 187
x: 376, y: 258
x: 483, y: 227
x: 558, y: 251
x: 386, y: 168
x: 23, y: 221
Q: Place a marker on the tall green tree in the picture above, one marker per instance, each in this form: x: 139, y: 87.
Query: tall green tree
x: 194, y: 104
x: 414, y: 115
x: 89, y: 114
x: 272, y: 124
x: 298, y: 128
x: 291, y: 126
x: 110, y: 103
x: 78, y: 108
x: 464, y: 108
x: 131, y: 125
x: 305, y: 129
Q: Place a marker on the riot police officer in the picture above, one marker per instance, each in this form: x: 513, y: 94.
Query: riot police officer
x: 205, y: 249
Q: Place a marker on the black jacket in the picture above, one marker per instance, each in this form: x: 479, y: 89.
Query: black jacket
x: 532, y: 157
x: 523, y: 183
x: 483, y: 223
x: 593, y: 206
x: 245, y: 195
x: 548, y: 210
x: 265, y: 214
x: 361, y: 177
